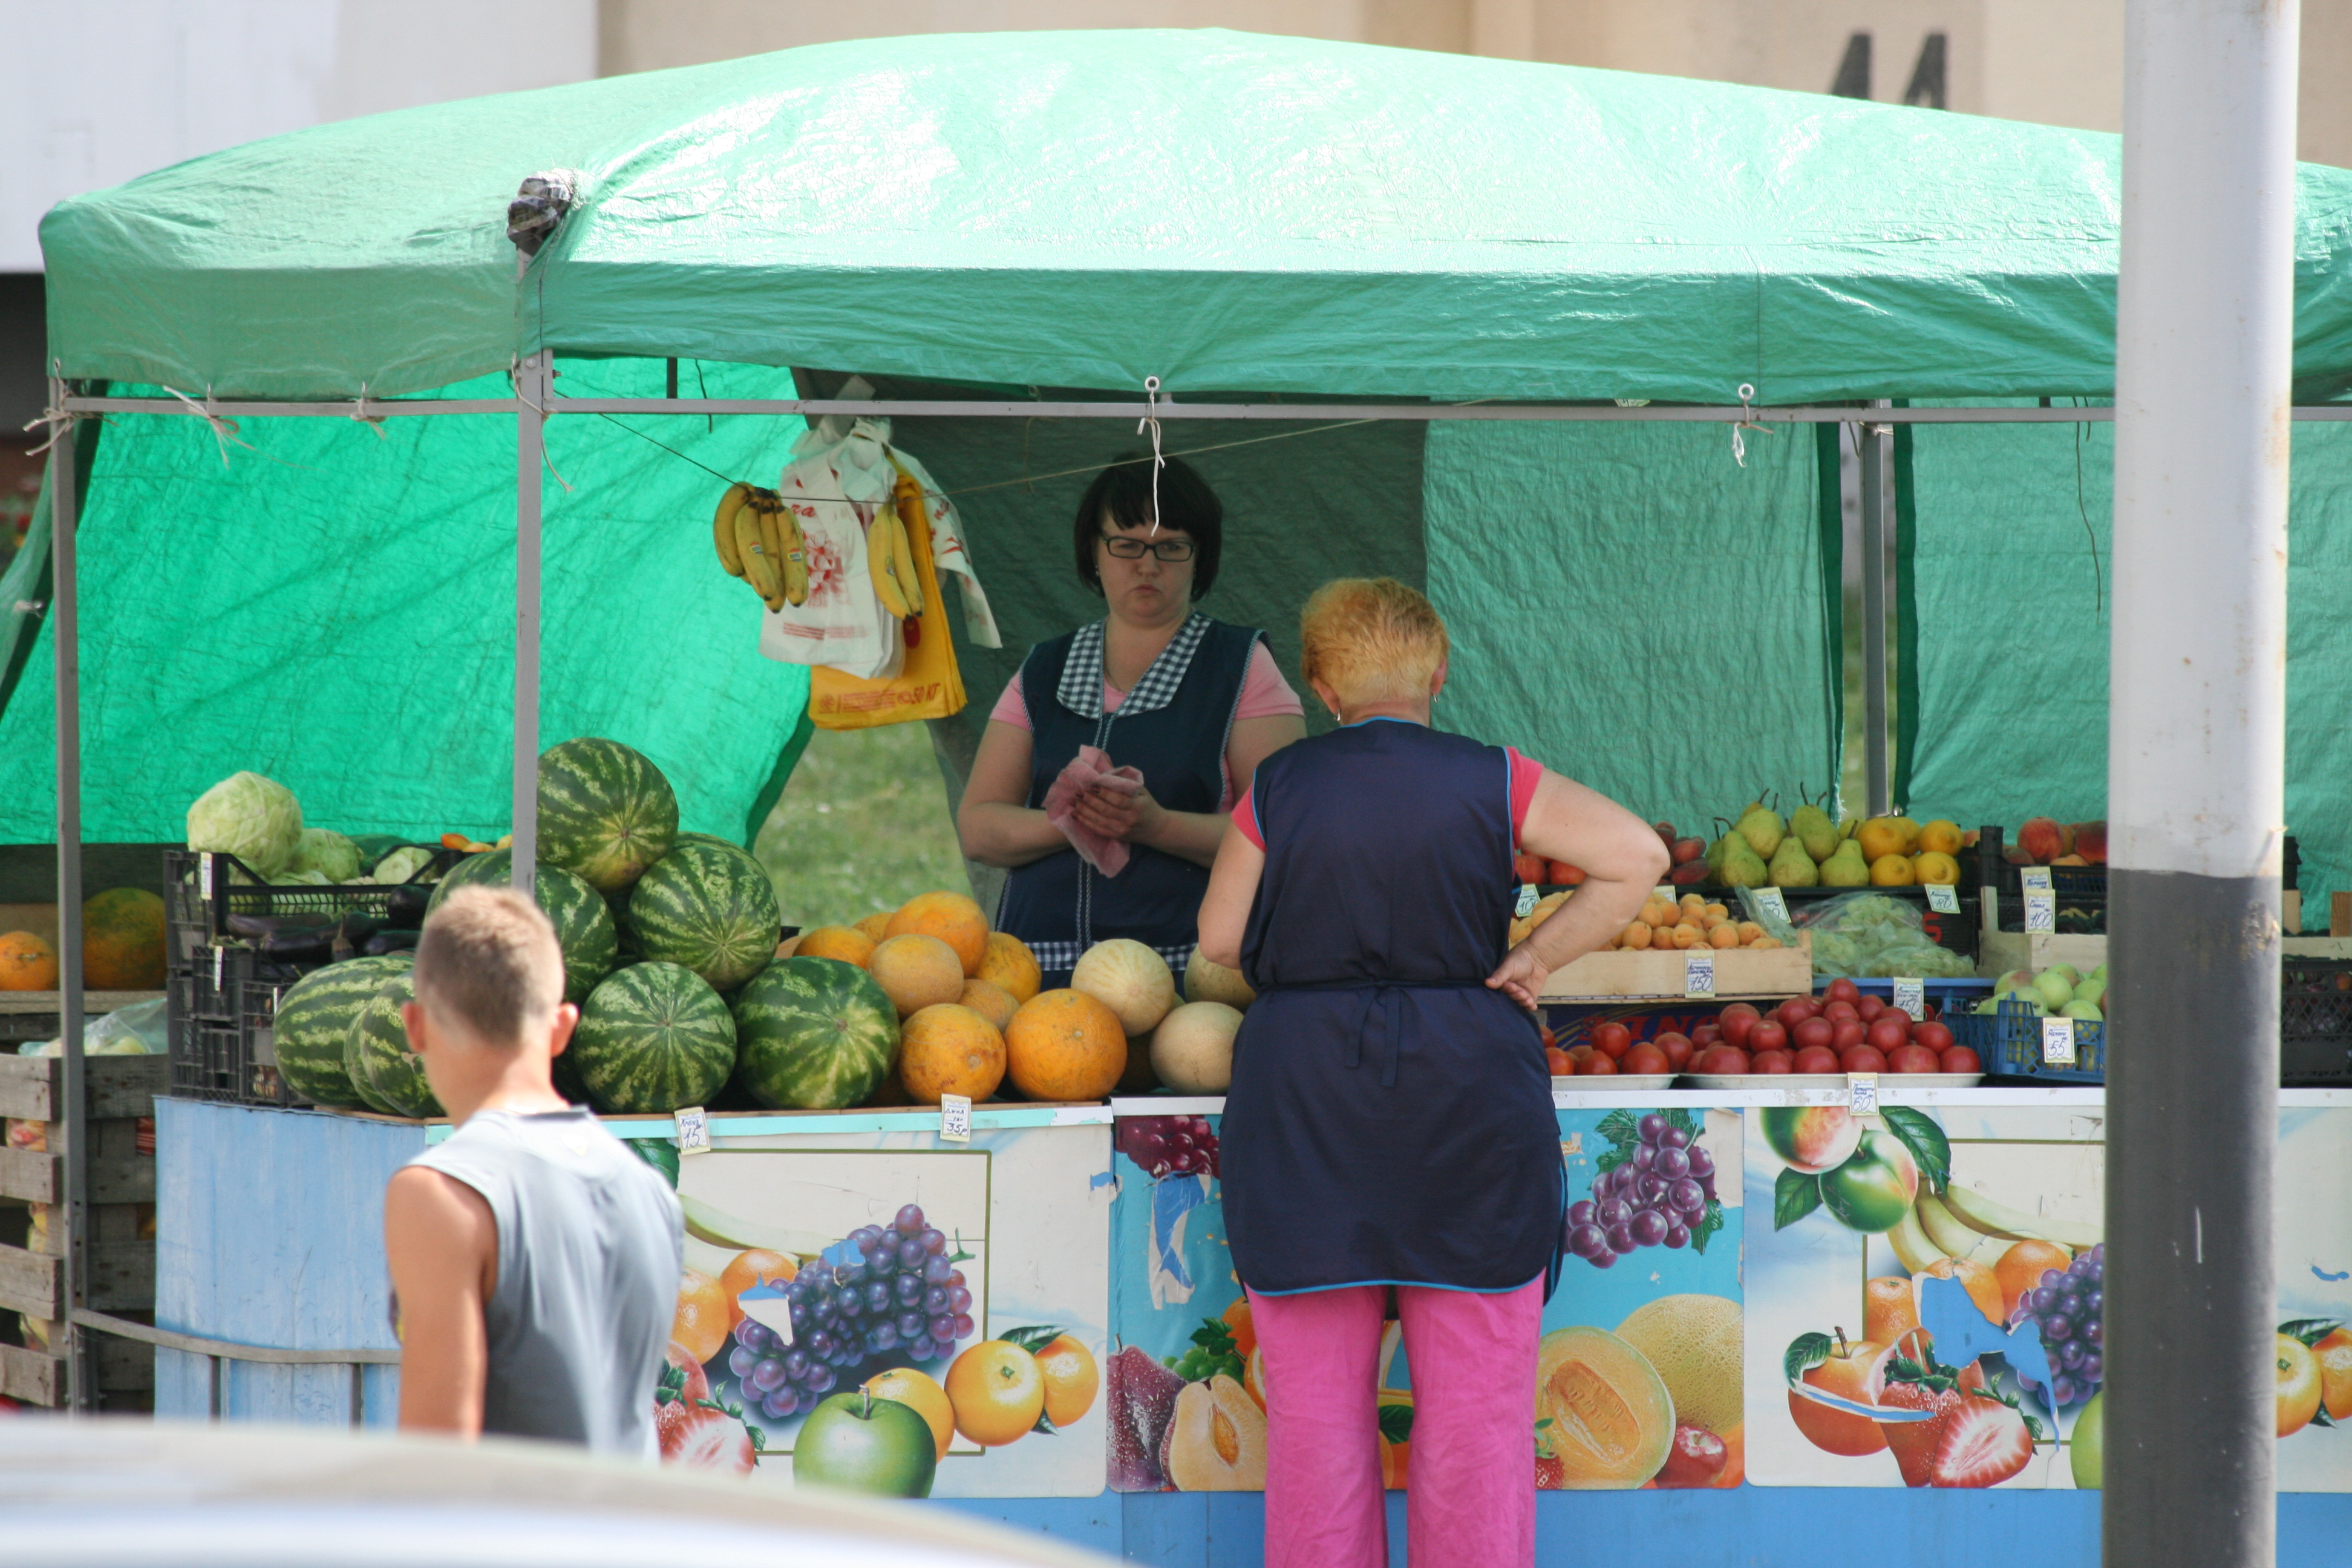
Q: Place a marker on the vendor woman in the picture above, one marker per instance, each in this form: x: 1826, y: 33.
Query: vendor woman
x: 1191, y: 704
x: 1390, y: 1125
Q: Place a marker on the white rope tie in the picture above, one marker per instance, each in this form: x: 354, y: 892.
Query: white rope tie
x: 1151, y: 420
x: 59, y: 421
x: 1738, y: 446
x: 374, y: 422
x: 224, y: 429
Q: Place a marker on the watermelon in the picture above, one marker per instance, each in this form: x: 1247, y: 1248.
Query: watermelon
x: 654, y: 1037
x: 314, y: 1019
x: 814, y: 1034
x: 377, y: 1052
x: 583, y: 926
x: 606, y: 813
x: 710, y: 907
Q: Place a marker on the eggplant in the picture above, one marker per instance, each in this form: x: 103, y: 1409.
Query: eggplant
x: 385, y: 941
x: 406, y: 909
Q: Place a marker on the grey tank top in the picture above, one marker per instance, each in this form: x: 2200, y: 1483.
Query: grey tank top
x: 591, y: 1245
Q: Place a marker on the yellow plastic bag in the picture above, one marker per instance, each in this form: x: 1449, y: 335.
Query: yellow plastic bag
x: 928, y: 685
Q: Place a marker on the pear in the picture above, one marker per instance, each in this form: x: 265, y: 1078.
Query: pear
x: 1715, y: 852
x: 1791, y: 867
x: 1763, y: 829
x: 1742, y: 867
x: 1813, y: 828
x: 1845, y: 867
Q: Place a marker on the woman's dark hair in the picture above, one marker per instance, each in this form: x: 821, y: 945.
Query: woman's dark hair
x: 1123, y: 492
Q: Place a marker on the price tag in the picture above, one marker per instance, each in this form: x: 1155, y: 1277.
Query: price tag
x: 1770, y: 901
x: 955, y: 1119
x: 219, y: 954
x: 1526, y: 903
x: 1861, y: 1093
x: 2041, y: 911
x: 1942, y: 899
x: 1698, y: 974
x: 2032, y: 877
x: 205, y: 865
x: 1911, y: 995
x: 1665, y: 891
x: 693, y: 1130
x: 2058, y: 1042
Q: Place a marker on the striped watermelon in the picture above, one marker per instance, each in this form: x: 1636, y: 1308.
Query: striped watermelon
x: 314, y: 1020
x: 583, y: 926
x: 606, y: 813
x: 710, y: 907
x: 654, y: 1037
x: 814, y: 1034
x: 376, y: 1052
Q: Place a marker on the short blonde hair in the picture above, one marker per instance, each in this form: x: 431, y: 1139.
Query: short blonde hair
x: 487, y: 964
x: 1371, y: 639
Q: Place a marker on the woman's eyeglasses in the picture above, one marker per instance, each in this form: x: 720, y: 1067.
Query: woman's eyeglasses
x: 1128, y: 548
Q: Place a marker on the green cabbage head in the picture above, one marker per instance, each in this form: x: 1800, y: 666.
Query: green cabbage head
x: 254, y: 818
x: 327, y: 852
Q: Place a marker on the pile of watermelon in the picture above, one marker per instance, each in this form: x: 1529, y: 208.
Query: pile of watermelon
x: 668, y: 943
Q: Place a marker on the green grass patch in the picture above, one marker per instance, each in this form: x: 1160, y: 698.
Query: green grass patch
x: 863, y: 825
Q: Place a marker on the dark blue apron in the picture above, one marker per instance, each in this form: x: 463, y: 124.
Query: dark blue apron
x: 1391, y: 1117
x: 1173, y: 727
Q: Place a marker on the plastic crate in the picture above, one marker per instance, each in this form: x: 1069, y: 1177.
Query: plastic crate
x: 2078, y: 915
x: 2315, y: 1022
x: 201, y: 896
x: 204, y: 1061
x: 2009, y: 1043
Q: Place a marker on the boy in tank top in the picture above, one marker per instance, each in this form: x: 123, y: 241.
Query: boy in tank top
x: 534, y: 1259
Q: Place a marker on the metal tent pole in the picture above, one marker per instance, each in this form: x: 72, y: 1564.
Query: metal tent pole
x: 2195, y: 772
x: 532, y: 385
x: 65, y: 629
x: 1871, y: 442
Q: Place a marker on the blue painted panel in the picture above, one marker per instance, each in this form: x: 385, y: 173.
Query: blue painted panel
x: 269, y: 1231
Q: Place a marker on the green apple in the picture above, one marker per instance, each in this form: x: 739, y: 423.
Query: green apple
x: 2085, y: 1447
x: 2053, y: 989
x: 2088, y: 1012
x: 1875, y: 1189
x: 862, y: 1444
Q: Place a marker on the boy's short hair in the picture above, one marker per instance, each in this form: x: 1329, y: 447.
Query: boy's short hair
x: 487, y: 963
x: 1371, y: 639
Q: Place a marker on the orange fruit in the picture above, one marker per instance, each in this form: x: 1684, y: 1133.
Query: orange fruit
x: 847, y: 943
x: 997, y: 1392
x: 1064, y: 1045
x: 2334, y: 1354
x: 991, y: 1001
x: 1979, y: 1282
x: 874, y: 927
x: 1009, y: 965
x: 918, y: 1393
x: 916, y: 971
x: 953, y: 918
x: 704, y: 1315
x: 746, y: 1269
x: 948, y: 1049
x: 1236, y: 1319
x: 1071, y: 1379
x: 1890, y: 1309
x: 2020, y: 1269
x: 26, y: 962
x: 1253, y: 1376
x: 2299, y: 1384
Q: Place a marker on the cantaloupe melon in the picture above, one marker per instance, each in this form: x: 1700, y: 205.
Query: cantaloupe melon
x: 1205, y: 980
x: 916, y: 971
x: 1192, y: 1049
x: 1129, y: 979
x: 953, y: 918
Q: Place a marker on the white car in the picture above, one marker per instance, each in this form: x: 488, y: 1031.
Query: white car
x: 123, y: 1493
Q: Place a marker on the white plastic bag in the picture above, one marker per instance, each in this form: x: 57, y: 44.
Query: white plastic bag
x: 832, y: 484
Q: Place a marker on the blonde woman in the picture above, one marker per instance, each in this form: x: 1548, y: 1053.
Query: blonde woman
x: 1390, y: 1125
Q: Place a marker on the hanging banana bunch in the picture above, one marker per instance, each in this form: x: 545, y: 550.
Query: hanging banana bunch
x: 759, y: 540
x: 890, y: 560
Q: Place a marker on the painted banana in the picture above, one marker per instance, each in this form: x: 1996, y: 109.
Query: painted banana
x: 758, y: 569
x: 1912, y: 1248
x: 707, y: 1224
x: 908, y: 496
x: 1980, y: 1213
x: 722, y: 528
x: 772, y: 545
x: 1947, y: 1231
x: 881, y: 564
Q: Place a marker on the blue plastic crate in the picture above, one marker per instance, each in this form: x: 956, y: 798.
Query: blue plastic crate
x: 2009, y: 1043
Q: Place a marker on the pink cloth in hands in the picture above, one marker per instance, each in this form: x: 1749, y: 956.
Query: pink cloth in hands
x: 1090, y: 769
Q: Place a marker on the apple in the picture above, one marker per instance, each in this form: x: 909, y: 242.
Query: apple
x: 1611, y: 1039
x: 862, y: 1444
x: 1877, y: 1185
x: 1854, y: 1370
x: 1869, y: 1008
x: 1695, y: 1458
x: 1600, y: 1064
x: 1838, y: 1012
x: 1841, y: 990
x: 1937, y: 1037
x: 1769, y: 1035
x: 1913, y: 1058
x: 1888, y: 1035
x: 1772, y: 1061
x: 1812, y: 1138
x: 1724, y: 1062
x: 1685, y: 850
x: 1848, y: 1032
x: 1815, y: 1059
x: 1861, y: 1058
x: 1735, y: 1021
x: 1958, y: 1058
x: 1646, y: 1058
x: 1813, y: 1032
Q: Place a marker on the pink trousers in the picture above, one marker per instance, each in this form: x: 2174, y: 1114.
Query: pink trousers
x: 1470, y: 1477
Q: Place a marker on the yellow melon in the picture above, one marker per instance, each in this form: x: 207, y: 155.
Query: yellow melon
x: 989, y: 1002
x: 1192, y: 1049
x: 1130, y: 979
x: 847, y: 943
x: 1208, y: 982
x: 916, y: 971
x: 1009, y: 964
x: 949, y: 1049
x: 1695, y: 1344
x: 953, y: 918
x: 1612, y: 1418
x: 1064, y: 1044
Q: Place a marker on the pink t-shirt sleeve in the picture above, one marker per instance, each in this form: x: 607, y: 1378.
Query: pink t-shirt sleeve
x: 1265, y: 694
x: 1009, y: 708
x: 1245, y: 818
x: 1525, y: 773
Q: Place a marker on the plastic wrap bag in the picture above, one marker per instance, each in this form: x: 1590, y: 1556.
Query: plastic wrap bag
x: 133, y: 1031
x: 1868, y: 935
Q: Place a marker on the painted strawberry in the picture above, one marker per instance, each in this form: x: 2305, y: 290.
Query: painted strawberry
x: 1985, y: 1442
x: 709, y: 1438
x: 1924, y: 1384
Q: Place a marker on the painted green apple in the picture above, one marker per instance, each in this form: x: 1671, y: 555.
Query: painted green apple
x: 862, y: 1444
x: 2086, y: 1446
x: 1875, y: 1188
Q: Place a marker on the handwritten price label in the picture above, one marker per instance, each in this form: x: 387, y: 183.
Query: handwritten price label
x: 1911, y: 995
x: 693, y: 1130
x: 2041, y: 911
x: 1861, y: 1093
x: 2058, y: 1042
x: 2033, y: 879
x: 955, y: 1118
x: 1942, y: 899
x: 1698, y: 974
x: 1771, y: 902
x: 1525, y: 905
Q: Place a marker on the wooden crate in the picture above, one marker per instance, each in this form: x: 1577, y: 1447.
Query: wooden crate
x: 38, y: 1014
x: 1646, y: 976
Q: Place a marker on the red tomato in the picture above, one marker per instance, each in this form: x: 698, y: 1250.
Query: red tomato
x: 1937, y: 1037
x: 1815, y: 1059
x: 1842, y: 990
x: 1773, y: 1061
x: 1913, y: 1058
x: 1897, y: 1013
x: 1722, y: 1060
x: 1888, y: 1034
x: 1610, y: 1037
x: 1958, y: 1058
x: 1795, y: 1011
x: 1861, y: 1058
x: 1598, y: 1065
x: 1679, y: 1050
x: 1814, y: 1032
x: 1645, y: 1058
x: 1848, y: 1032
x: 1869, y: 1008
x: 1769, y: 1035
x: 1839, y: 1011
x: 1668, y: 1042
x: 1735, y: 1021
x: 1559, y: 1062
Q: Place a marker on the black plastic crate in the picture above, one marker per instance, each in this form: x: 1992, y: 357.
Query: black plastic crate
x: 204, y: 1061
x: 2078, y: 915
x: 202, y: 899
x: 2315, y: 1022
x: 2009, y: 1043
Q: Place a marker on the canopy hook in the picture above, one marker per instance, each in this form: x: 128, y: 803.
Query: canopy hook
x: 1151, y: 420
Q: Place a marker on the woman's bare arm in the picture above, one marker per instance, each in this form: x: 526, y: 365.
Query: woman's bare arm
x: 1623, y: 861
x: 1232, y: 888
x: 995, y: 822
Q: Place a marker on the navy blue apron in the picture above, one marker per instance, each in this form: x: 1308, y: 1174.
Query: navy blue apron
x: 1391, y: 1117
x: 1172, y: 727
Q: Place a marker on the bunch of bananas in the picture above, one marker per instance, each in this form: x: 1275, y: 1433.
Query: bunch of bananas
x: 759, y: 540
x: 890, y: 552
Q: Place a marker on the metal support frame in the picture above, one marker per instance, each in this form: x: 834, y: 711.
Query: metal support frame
x: 64, y: 631
x: 2196, y: 772
x: 1870, y: 444
x: 534, y: 390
